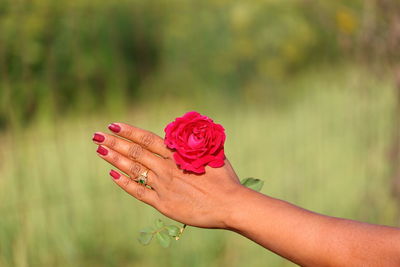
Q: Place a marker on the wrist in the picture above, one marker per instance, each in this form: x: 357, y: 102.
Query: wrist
x: 238, y: 206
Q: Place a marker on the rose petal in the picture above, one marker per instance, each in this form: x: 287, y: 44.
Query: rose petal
x: 199, y: 170
x: 202, y: 161
x: 216, y: 163
x: 221, y: 154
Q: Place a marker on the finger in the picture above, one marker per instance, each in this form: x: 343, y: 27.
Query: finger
x: 146, y: 139
x: 134, y: 189
x: 130, y: 150
x: 132, y: 168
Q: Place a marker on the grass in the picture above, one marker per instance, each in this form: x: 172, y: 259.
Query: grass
x: 326, y: 152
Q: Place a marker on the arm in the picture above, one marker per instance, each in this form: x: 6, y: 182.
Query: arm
x: 216, y: 199
x: 311, y: 239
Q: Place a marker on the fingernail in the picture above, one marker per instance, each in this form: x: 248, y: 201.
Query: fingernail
x: 114, y: 127
x: 115, y: 174
x: 98, y: 138
x: 102, y: 151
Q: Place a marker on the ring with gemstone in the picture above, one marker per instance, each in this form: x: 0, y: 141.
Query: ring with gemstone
x: 142, y: 178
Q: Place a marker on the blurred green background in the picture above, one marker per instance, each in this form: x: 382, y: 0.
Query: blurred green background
x: 306, y: 90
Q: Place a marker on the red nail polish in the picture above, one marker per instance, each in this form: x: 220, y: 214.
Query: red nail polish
x: 115, y: 174
x: 114, y: 127
x: 102, y: 151
x: 98, y: 138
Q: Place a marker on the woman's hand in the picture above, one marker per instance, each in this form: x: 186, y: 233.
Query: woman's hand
x: 198, y: 200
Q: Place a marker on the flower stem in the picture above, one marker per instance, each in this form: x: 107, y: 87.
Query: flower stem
x: 180, y: 232
x: 183, y: 228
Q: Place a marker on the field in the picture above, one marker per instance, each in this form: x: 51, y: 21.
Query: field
x: 327, y: 152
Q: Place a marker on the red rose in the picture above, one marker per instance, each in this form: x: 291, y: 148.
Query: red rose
x: 197, y: 142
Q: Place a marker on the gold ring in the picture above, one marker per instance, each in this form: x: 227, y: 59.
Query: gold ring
x: 142, y: 179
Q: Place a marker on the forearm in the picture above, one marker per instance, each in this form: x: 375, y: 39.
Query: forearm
x: 312, y: 239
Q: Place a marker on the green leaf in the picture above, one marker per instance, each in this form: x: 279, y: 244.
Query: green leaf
x: 145, y: 238
x: 159, y: 223
x: 173, y: 230
x: 252, y: 183
x: 147, y: 230
x: 163, y: 239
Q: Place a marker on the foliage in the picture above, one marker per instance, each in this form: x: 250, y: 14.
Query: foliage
x: 163, y: 233
x: 62, y: 55
x: 82, y: 55
x: 253, y: 183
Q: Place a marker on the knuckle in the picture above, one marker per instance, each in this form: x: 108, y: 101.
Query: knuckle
x: 134, y: 169
x: 125, y: 183
x: 135, y: 151
x: 112, y: 143
x: 115, y: 158
x: 140, y: 192
x: 147, y: 140
x: 130, y: 132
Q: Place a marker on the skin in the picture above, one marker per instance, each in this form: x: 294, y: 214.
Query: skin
x: 301, y: 236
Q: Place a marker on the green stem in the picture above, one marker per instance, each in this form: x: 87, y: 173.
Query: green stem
x: 159, y: 230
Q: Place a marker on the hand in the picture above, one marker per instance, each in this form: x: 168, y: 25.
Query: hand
x: 198, y: 200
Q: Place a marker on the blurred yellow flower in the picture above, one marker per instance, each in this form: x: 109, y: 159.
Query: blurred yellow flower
x: 241, y: 16
x: 346, y: 21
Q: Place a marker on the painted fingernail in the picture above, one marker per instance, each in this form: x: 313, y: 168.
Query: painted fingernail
x: 102, y: 151
x: 115, y: 174
x: 114, y: 127
x: 98, y: 138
